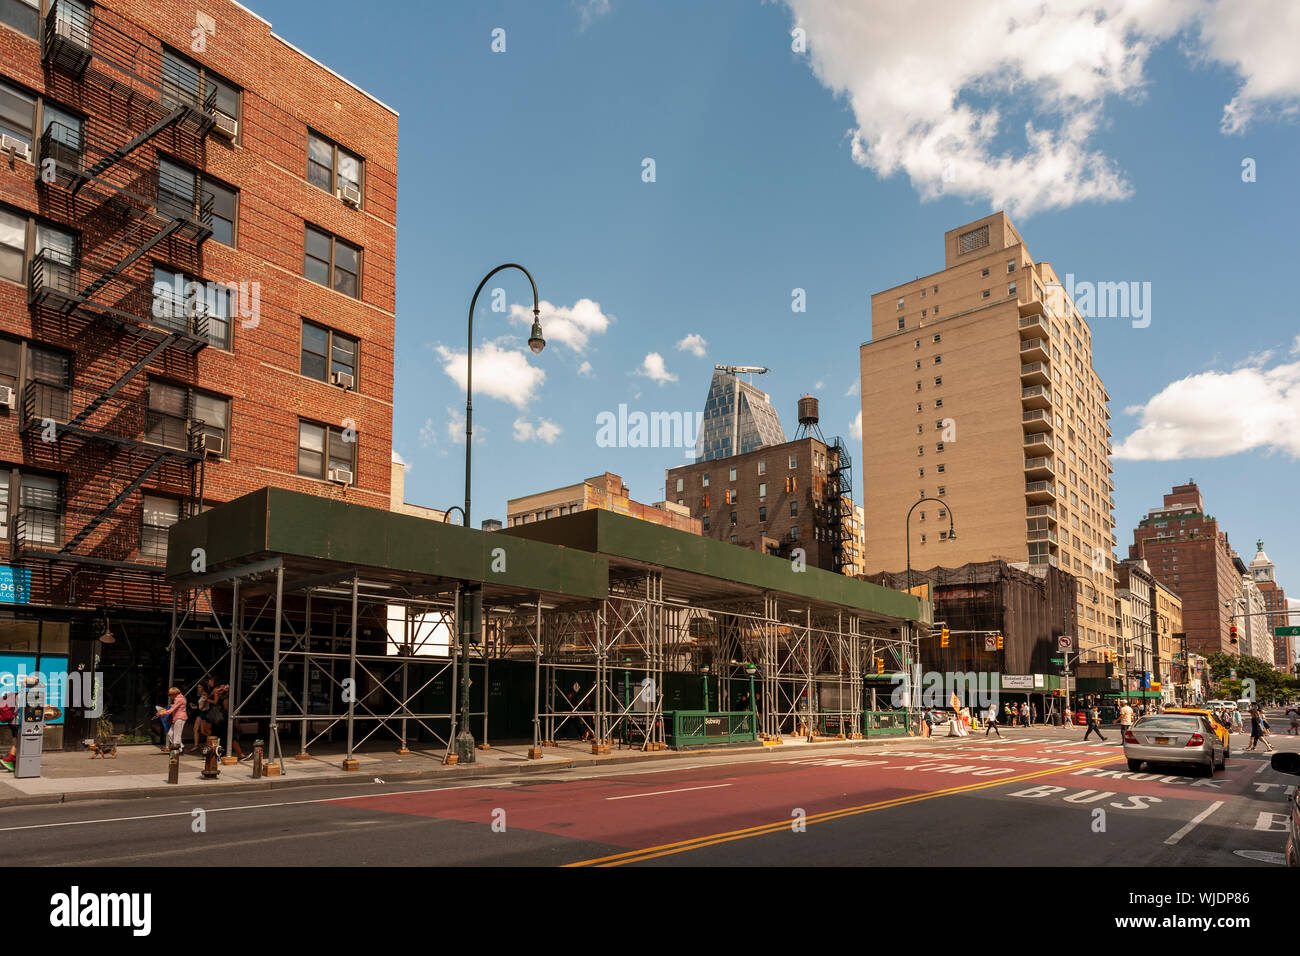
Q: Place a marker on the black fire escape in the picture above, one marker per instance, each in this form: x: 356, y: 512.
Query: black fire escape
x: 98, y: 296
x: 839, y: 504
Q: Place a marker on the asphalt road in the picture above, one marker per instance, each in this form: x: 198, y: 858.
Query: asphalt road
x: 1037, y: 797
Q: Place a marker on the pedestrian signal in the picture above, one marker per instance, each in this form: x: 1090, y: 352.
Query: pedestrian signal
x: 880, y: 665
x: 999, y: 640
x: 943, y: 637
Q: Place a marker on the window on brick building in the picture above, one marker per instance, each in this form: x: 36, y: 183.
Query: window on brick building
x: 332, y: 262
x: 794, y: 508
x: 762, y: 513
x: 733, y: 519
x: 17, y: 115
x: 762, y: 489
x: 331, y: 167
x: 173, y: 410
x: 40, y: 509
x: 186, y: 83
x: 157, y: 515
x: 23, y: 15
x: 328, y: 356
x: 705, y: 522
x: 322, y: 449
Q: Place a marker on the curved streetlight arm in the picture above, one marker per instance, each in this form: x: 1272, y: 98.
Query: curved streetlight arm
x: 907, y: 531
x: 469, y: 367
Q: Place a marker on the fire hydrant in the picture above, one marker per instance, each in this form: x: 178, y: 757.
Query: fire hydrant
x: 211, y: 768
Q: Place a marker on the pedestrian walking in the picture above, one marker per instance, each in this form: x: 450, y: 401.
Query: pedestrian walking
x: 1295, y: 720
x: 177, y: 713
x: 1258, y: 729
x: 1125, y: 716
x: 10, y: 717
x: 993, y: 721
x: 1026, y: 716
x: 1094, y: 724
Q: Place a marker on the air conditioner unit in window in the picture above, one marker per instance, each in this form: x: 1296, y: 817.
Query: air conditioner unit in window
x: 7, y: 396
x: 14, y: 145
x: 227, y: 126
x: 350, y: 195
x: 72, y: 30
x: 341, y: 475
x: 342, y: 379
x: 214, y: 445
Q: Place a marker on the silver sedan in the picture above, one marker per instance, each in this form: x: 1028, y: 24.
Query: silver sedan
x: 1174, y: 738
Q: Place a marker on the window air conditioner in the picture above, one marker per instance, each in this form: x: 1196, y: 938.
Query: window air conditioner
x: 341, y: 475
x: 214, y: 445
x: 342, y: 379
x: 71, y: 30
x: 12, y: 144
x: 7, y: 397
x: 227, y: 126
x: 350, y: 195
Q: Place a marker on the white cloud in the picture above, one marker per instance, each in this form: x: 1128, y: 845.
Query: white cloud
x: 693, y: 343
x: 590, y: 11
x: 545, y: 430
x: 1258, y: 39
x: 585, y: 369
x: 652, y: 367
x: 1212, y: 414
x: 568, y: 325
x: 855, y: 428
x: 935, y: 104
x: 854, y: 389
x: 498, y: 373
x: 428, y: 433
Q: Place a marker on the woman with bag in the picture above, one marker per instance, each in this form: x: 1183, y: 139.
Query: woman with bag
x: 1258, y: 729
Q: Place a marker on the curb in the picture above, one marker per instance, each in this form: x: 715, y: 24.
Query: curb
x: 476, y: 771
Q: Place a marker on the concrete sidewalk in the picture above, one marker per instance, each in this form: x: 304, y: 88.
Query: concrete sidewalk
x: 141, y: 770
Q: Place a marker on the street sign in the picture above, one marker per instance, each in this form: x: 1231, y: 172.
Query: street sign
x: 1291, y: 631
x: 1064, y: 642
x: 990, y: 642
x: 1057, y: 660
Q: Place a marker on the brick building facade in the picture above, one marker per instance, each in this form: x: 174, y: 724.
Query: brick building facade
x: 1188, y: 554
x: 197, y: 295
x: 773, y: 499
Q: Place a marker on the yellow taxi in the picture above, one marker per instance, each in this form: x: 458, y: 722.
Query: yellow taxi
x: 1219, y: 729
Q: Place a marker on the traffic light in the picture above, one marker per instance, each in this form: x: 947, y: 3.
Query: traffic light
x: 943, y: 637
x: 999, y: 640
x: 1232, y: 629
x: 880, y: 665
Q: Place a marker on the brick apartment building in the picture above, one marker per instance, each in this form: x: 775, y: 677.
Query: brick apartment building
x: 978, y: 387
x: 197, y: 292
x: 1188, y: 554
x: 773, y: 499
x: 601, y: 491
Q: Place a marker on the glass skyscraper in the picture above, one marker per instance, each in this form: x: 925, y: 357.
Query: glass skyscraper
x: 738, y: 418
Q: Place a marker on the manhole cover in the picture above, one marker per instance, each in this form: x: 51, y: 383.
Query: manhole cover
x: 1262, y: 856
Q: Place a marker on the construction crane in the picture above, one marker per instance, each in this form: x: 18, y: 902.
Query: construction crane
x: 741, y: 369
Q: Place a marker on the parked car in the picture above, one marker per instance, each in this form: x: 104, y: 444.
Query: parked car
x: 1289, y: 762
x: 1174, y: 738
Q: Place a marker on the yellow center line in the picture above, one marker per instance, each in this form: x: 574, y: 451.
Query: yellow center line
x: 649, y: 853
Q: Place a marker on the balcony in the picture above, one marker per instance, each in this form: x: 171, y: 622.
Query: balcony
x: 67, y: 37
x: 1048, y: 559
x: 1040, y: 491
x: 1035, y: 373
x: 1039, y: 467
x: 1043, y: 534
x: 1036, y: 396
x: 1041, y: 511
x: 1035, y: 350
x: 1034, y: 324
x: 62, y: 150
x: 53, y: 279
x: 1038, y: 442
x: 1037, y: 419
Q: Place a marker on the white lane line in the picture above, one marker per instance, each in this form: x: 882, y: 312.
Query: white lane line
x: 1264, y: 765
x: 256, y: 806
x: 660, y: 793
x: 1199, y: 818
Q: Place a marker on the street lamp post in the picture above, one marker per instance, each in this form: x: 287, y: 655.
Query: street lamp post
x: 474, y: 595
x: 907, y: 536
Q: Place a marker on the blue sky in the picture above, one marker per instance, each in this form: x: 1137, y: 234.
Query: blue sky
x: 820, y: 170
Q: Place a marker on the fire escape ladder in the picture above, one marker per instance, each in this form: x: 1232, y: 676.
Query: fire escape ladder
x: 112, y: 273
x: 160, y: 457
x: 117, y: 386
x: 121, y: 152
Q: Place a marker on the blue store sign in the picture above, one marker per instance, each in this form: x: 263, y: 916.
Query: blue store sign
x: 15, y: 585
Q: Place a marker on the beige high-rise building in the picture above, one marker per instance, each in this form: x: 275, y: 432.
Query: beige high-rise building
x: 978, y: 388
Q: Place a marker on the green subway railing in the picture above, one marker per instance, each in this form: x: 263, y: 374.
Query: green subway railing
x: 692, y: 728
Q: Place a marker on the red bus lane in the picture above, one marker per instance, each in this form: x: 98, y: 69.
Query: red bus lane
x: 651, y: 810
